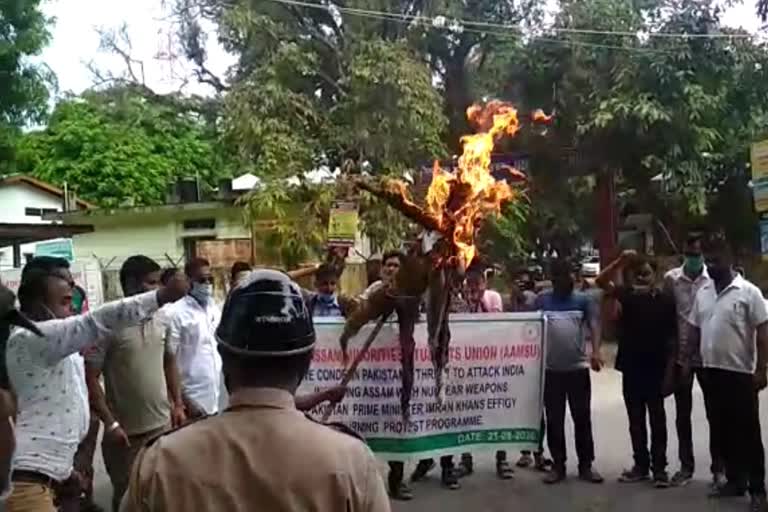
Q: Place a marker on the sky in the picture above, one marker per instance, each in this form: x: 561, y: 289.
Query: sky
x: 75, y: 42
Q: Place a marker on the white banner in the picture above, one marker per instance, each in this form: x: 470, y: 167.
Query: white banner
x: 493, y: 388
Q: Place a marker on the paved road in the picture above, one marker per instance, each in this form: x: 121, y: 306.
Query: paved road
x: 484, y: 493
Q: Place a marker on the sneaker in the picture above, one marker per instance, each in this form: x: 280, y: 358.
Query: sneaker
x: 727, y: 490
x: 541, y: 463
x: 525, y: 460
x: 589, y: 474
x: 718, y: 480
x: 630, y: 476
x: 449, y: 479
x: 504, y: 471
x: 400, y: 492
x: 681, y: 478
x: 466, y: 466
x: 554, y: 476
x: 661, y: 480
x: 422, y: 469
x: 757, y: 503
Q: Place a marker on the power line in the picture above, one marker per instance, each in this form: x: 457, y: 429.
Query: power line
x: 430, y: 22
x: 438, y: 20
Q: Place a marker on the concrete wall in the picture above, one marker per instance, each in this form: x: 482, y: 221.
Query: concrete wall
x: 154, y: 232
x: 14, y: 199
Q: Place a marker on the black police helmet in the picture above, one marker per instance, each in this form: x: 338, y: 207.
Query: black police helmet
x: 266, y: 316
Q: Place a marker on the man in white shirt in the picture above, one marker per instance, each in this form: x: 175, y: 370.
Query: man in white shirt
x: 191, y: 337
x: 730, y: 329
x: 48, y: 377
x: 683, y: 283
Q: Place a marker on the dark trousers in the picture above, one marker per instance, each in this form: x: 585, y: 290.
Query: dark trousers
x: 683, y: 410
x: 735, y: 420
x: 575, y: 388
x: 643, y: 399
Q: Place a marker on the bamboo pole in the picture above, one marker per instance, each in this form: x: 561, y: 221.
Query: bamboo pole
x: 359, y: 358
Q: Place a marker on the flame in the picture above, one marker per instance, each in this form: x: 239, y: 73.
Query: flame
x: 459, y: 201
x: 539, y: 116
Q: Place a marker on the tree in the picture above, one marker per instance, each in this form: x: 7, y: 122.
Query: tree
x: 117, y: 145
x: 24, y: 85
x: 679, y: 109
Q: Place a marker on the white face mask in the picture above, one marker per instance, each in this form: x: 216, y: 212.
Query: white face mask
x: 241, y: 276
x: 202, y: 292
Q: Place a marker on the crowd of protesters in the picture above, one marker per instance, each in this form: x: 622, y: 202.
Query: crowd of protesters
x: 152, y: 362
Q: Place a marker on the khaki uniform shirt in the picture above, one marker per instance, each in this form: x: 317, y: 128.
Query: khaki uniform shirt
x: 260, y: 455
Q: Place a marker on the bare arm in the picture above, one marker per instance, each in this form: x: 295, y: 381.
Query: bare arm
x: 606, y: 278
x: 7, y: 441
x: 173, y: 385
x: 96, y: 395
x: 172, y: 378
x: 309, y: 402
x: 63, y: 337
x: 302, y: 272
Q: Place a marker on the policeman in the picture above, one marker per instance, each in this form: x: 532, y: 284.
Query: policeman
x: 260, y: 454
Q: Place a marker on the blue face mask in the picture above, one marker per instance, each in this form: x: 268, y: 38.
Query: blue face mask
x: 326, y: 298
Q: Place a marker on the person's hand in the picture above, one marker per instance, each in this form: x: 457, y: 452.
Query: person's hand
x: 596, y: 362
x: 760, y: 379
x: 192, y: 409
x: 178, y: 415
x: 669, y: 383
x: 335, y: 394
x: 118, y: 436
x: 685, y: 372
x: 628, y: 254
x: 177, y: 287
x: 345, y: 358
x: 7, y: 435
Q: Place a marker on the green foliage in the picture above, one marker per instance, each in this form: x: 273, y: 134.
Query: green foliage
x: 117, y: 145
x: 23, y: 84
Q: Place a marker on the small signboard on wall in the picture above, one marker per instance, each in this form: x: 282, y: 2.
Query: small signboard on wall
x: 342, y: 224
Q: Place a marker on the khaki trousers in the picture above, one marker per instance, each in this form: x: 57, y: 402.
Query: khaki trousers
x: 118, y: 460
x: 30, y: 497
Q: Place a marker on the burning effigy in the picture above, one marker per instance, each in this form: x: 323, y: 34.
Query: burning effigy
x: 455, y: 205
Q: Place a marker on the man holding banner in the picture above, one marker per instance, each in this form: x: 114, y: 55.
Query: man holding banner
x: 567, y: 375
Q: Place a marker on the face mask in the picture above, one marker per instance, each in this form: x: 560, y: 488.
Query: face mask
x: 202, y: 292
x: 693, y: 264
x: 326, y: 298
x: 241, y: 276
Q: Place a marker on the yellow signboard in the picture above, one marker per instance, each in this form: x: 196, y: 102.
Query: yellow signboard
x: 759, y: 159
x: 342, y: 224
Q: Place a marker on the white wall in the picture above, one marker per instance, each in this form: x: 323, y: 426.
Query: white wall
x: 14, y: 199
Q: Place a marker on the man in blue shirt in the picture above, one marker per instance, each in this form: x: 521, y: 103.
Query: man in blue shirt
x: 567, y: 378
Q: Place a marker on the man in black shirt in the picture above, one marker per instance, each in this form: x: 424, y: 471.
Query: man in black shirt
x: 646, y: 330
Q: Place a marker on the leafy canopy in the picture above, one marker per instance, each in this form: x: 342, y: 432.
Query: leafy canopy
x: 23, y: 84
x: 117, y: 145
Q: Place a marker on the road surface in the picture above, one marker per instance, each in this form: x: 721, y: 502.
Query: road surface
x: 482, y: 492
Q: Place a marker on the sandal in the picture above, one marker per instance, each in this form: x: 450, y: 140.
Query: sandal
x: 504, y: 471
x: 525, y: 460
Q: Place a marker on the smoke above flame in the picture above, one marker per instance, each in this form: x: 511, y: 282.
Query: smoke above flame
x: 459, y: 201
